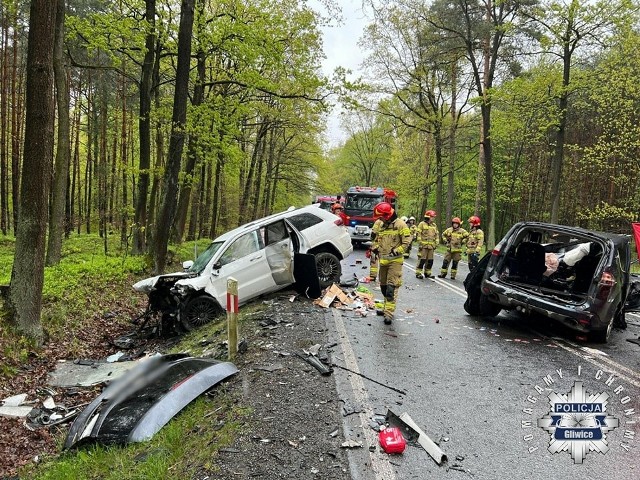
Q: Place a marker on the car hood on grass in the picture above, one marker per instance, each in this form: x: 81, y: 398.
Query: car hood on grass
x: 146, y: 285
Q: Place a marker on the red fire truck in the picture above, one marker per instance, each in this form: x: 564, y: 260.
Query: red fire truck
x: 359, y: 207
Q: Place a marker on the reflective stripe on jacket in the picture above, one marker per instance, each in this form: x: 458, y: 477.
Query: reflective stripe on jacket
x: 455, y: 239
x: 475, y: 240
x: 428, y: 234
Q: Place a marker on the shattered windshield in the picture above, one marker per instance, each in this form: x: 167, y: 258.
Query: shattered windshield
x: 205, y: 257
x: 359, y: 204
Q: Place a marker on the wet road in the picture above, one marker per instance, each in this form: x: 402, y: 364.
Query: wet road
x: 478, y: 387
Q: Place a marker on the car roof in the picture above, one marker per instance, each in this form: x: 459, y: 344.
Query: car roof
x: 291, y: 211
x: 617, y: 239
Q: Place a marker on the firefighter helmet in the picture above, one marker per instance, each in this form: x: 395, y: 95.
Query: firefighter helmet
x: 383, y: 210
x: 456, y: 220
x: 404, y: 218
x: 412, y: 219
x: 474, y: 221
x: 430, y: 213
x: 336, y: 206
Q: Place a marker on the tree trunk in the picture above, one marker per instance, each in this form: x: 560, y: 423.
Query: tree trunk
x: 27, y: 276
x: 144, y: 125
x: 176, y: 141
x: 63, y: 149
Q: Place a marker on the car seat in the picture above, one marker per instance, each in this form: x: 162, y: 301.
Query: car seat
x: 530, y: 262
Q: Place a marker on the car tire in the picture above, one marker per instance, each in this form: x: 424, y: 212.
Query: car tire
x: 601, y: 336
x: 199, y: 311
x: 329, y: 268
x: 487, y: 308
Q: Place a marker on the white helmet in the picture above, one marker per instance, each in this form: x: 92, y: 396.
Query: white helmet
x: 412, y: 218
x: 404, y: 218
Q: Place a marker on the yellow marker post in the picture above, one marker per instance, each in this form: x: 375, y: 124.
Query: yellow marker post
x: 232, y: 316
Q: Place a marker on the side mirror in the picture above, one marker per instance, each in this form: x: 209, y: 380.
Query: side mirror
x: 217, y: 266
x: 187, y: 265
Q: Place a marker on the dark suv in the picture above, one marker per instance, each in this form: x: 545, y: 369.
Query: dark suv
x: 578, y: 277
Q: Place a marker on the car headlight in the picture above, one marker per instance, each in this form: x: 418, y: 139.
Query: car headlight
x: 181, y: 290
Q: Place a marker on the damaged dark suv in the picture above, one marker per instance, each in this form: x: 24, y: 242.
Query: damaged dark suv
x: 578, y: 277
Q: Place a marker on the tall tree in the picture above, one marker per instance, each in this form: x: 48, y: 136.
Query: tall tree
x: 482, y: 27
x: 176, y: 141
x: 27, y: 275
x: 63, y: 148
x: 563, y: 28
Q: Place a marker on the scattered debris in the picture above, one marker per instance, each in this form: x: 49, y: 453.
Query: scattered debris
x: 406, y: 424
x: 351, y: 444
x: 402, y: 392
x: 316, y: 363
x: 391, y: 440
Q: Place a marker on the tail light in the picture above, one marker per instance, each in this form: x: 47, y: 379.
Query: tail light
x: 339, y: 222
x: 606, y: 283
x: 496, y: 250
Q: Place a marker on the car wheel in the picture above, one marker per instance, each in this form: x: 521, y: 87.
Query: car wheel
x: 199, y: 311
x: 487, y: 308
x: 601, y: 336
x: 329, y: 268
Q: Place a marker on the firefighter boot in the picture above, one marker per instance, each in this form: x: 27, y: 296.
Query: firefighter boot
x: 389, y: 304
x: 427, y: 272
x: 419, y: 269
x: 454, y: 269
x: 444, y: 269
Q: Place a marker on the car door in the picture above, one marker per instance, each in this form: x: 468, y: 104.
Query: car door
x: 245, y: 260
x: 277, y: 239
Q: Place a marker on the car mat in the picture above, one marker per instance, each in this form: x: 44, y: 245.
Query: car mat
x: 305, y: 274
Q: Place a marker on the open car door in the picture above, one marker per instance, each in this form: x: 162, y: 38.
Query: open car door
x: 305, y: 272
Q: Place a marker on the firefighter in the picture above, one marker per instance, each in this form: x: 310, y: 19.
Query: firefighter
x: 413, y: 228
x: 454, y: 238
x: 391, y: 238
x: 474, y: 242
x: 428, y: 238
x: 338, y: 209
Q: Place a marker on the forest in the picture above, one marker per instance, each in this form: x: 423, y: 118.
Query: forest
x: 168, y: 121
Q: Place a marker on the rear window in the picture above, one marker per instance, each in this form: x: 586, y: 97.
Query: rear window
x: 302, y: 221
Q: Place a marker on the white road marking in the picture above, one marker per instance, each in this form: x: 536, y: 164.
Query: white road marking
x: 604, y: 363
x: 382, y: 469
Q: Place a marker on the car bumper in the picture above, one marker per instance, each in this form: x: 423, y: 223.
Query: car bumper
x: 578, y: 317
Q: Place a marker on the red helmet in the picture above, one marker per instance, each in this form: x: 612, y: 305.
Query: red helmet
x: 430, y: 213
x: 336, y: 206
x: 456, y: 220
x: 474, y: 221
x: 383, y: 210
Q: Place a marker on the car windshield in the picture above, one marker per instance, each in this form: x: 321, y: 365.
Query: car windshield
x: 204, y: 258
x: 361, y: 204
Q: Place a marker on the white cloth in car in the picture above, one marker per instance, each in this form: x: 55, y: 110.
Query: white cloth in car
x: 573, y: 256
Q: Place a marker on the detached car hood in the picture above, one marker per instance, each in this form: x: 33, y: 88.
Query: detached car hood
x: 138, y: 404
x: 148, y: 284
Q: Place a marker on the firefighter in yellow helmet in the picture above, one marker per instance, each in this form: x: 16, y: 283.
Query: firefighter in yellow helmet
x: 454, y: 238
x: 474, y: 242
x: 391, y: 238
x: 427, y: 235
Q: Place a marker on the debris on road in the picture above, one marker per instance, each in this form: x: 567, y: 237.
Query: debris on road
x: 391, y: 440
x: 351, y: 444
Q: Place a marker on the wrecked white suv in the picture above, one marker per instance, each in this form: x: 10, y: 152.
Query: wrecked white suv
x: 302, y: 246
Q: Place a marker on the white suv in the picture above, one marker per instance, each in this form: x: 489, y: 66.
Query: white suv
x: 302, y: 246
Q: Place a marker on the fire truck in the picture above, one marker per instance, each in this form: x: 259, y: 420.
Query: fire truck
x: 359, y: 207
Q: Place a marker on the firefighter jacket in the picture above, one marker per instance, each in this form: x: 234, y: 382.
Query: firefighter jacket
x: 455, y: 239
x: 390, y: 240
x: 475, y: 241
x: 414, y: 231
x: 428, y: 235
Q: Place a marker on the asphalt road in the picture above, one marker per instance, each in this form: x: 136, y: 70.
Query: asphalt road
x: 478, y: 386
